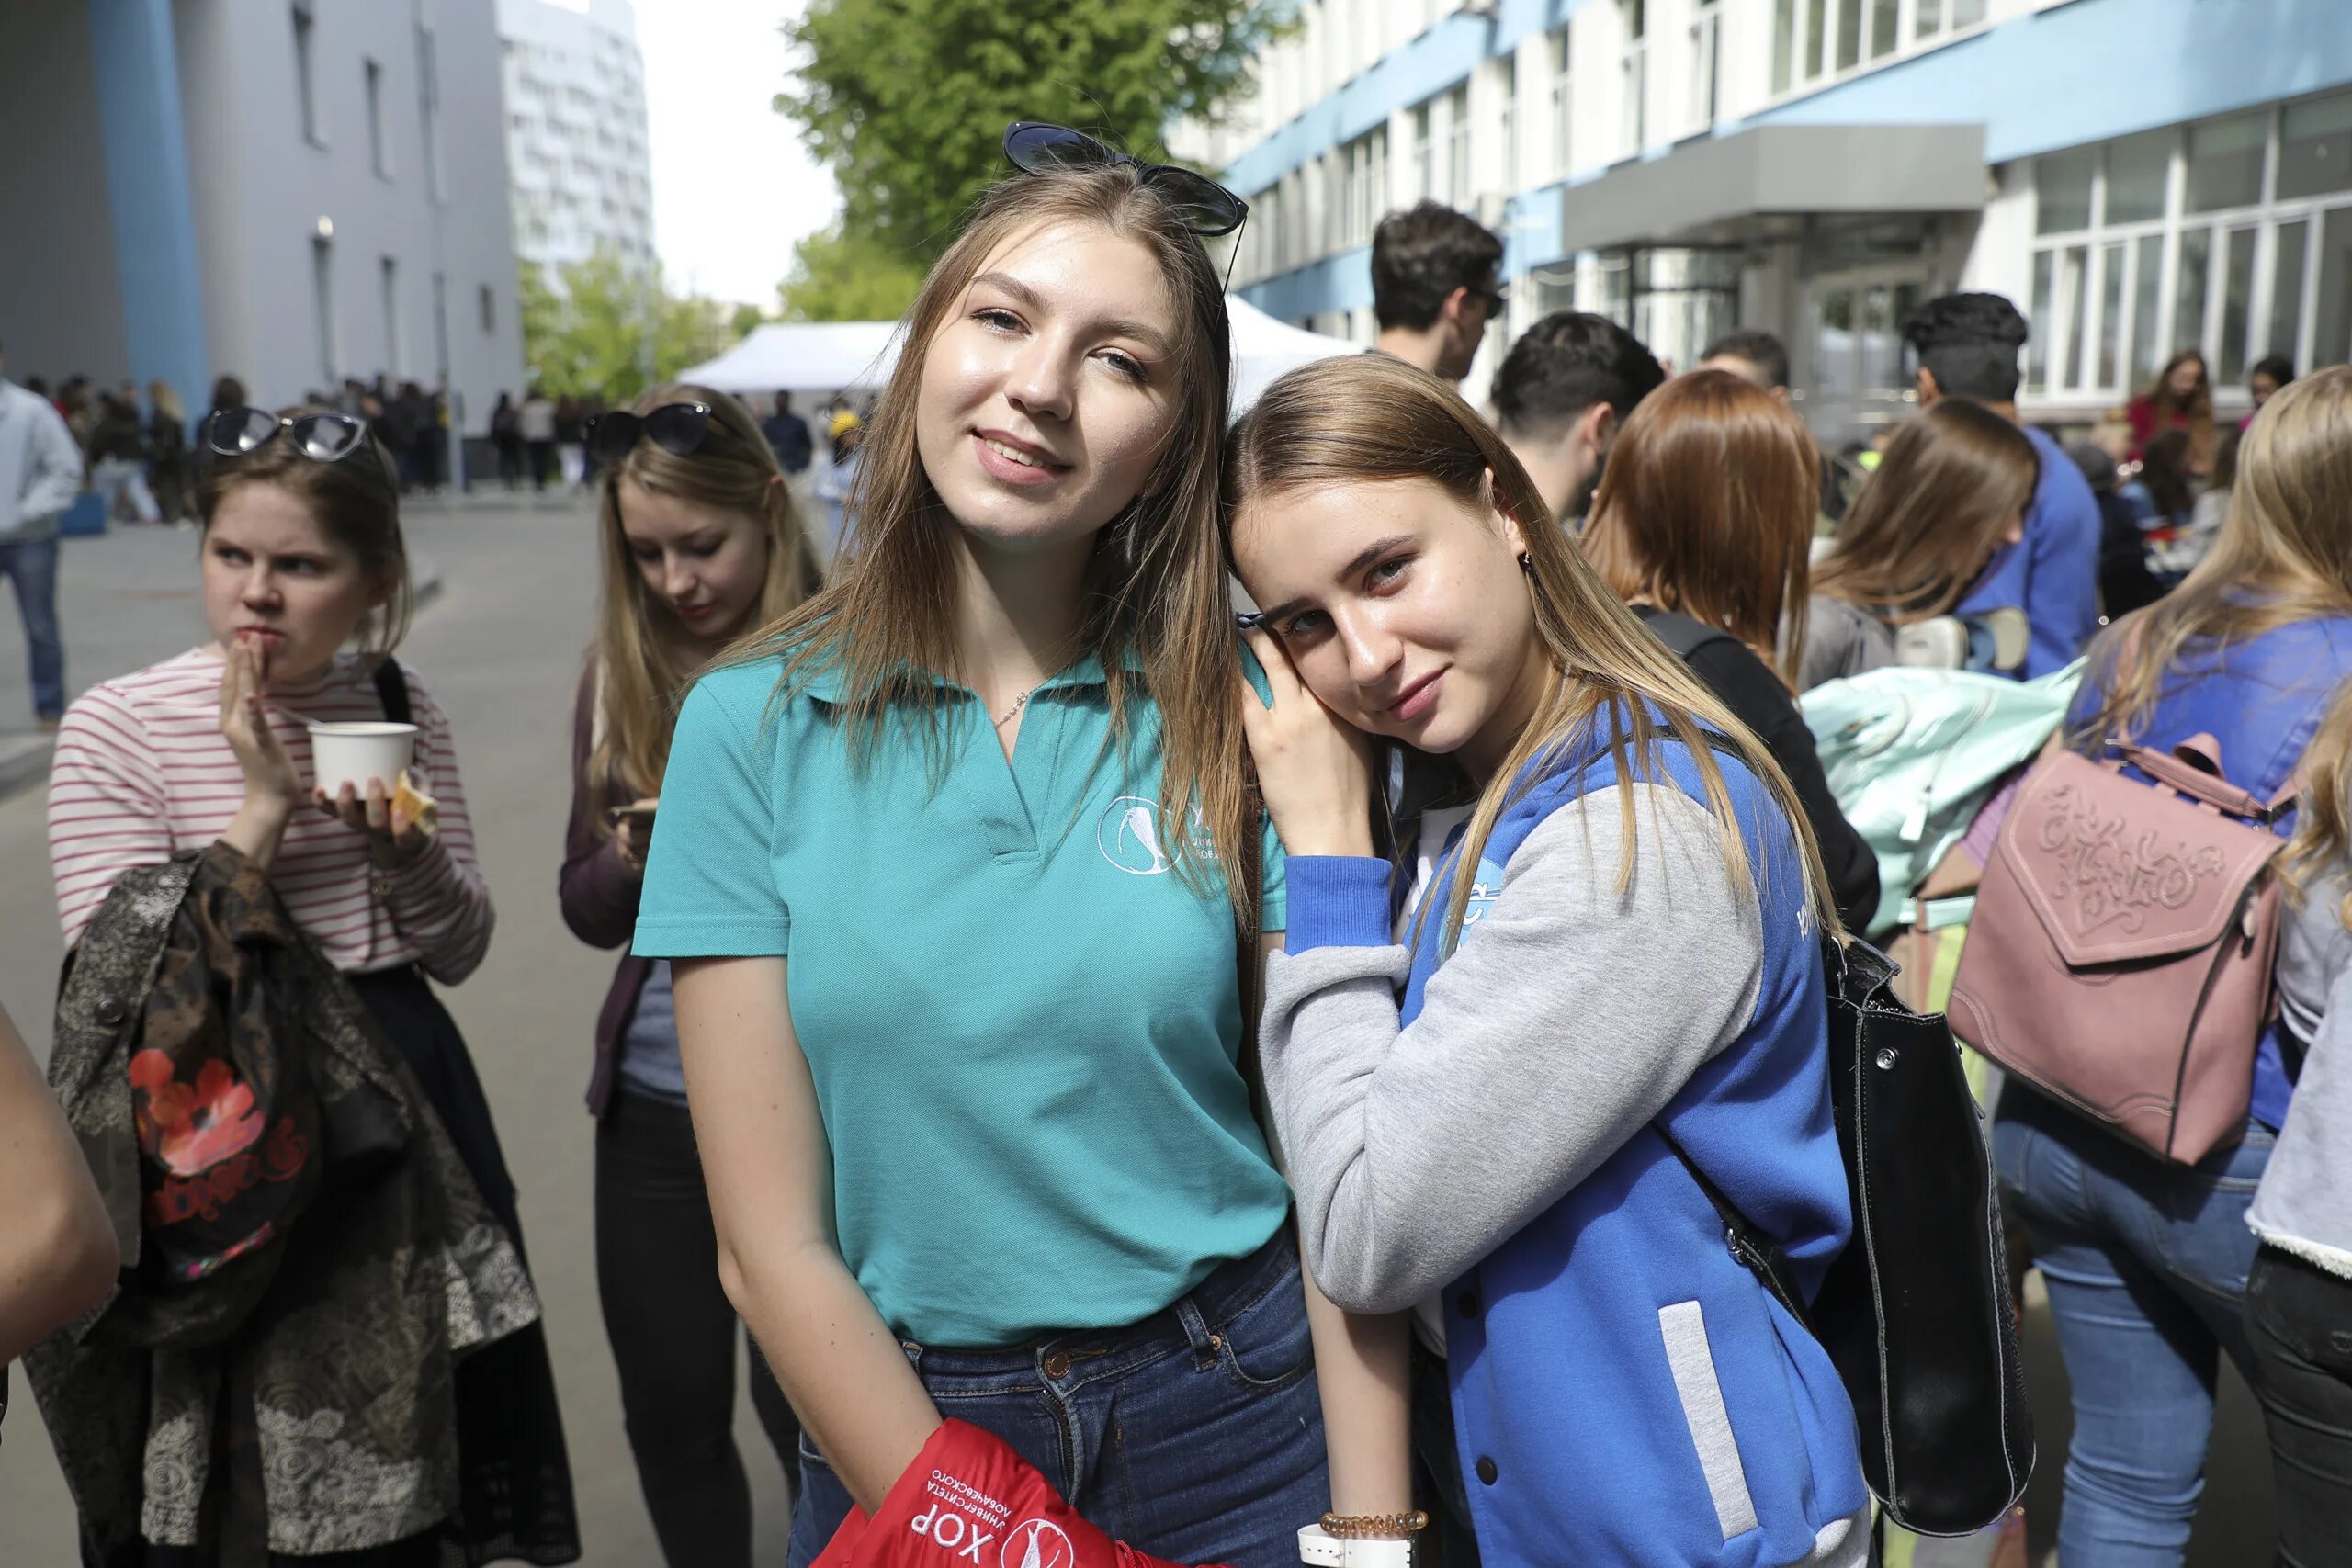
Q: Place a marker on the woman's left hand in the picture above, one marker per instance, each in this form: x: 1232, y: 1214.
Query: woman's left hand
x: 393, y: 840
x: 1314, y: 769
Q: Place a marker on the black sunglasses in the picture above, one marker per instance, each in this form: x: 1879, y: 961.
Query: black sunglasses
x: 677, y: 428
x: 1206, y: 207
x: 322, y: 437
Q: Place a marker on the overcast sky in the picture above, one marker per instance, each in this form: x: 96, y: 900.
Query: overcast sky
x: 733, y: 186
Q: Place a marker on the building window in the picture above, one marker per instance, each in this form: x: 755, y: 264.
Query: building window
x: 486, y: 300
x: 305, y: 86
x: 1363, y: 191
x: 1817, y: 40
x: 1424, y: 156
x: 380, y: 151
x: 1457, y: 146
x: 1563, y: 101
x: 394, y: 360
x: 1707, y: 35
x: 2166, y: 241
x: 428, y: 109
x: 1633, y: 76
x: 323, y: 304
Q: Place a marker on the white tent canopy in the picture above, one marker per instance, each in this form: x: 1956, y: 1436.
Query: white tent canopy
x: 828, y: 356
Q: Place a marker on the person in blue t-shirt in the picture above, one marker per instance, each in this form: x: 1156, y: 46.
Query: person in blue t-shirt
x: 1968, y: 346
x: 1597, y: 943
x: 954, y: 869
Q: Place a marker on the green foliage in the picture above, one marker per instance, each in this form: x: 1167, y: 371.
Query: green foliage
x: 837, y: 277
x: 907, y: 100
x: 600, y: 329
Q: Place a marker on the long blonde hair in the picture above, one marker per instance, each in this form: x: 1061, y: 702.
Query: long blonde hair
x: 1706, y: 506
x: 2284, y: 555
x: 1156, y: 588
x: 641, y: 673
x: 1369, y: 420
x: 2322, y: 841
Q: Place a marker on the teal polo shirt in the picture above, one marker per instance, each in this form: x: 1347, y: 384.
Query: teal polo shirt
x: 1024, y: 1029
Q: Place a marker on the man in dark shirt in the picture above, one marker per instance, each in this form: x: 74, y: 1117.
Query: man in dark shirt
x: 787, y: 435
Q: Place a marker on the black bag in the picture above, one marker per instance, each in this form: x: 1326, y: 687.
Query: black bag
x: 1915, y: 1312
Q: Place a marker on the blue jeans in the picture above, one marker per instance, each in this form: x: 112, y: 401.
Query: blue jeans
x: 2146, y: 1263
x: 1195, y: 1435
x: 30, y: 565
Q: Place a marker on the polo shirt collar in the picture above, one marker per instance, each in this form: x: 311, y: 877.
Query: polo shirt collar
x: 827, y: 684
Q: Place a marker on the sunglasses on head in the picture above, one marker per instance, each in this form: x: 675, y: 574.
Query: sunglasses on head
x: 1206, y: 207
x: 678, y: 429
x: 322, y: 437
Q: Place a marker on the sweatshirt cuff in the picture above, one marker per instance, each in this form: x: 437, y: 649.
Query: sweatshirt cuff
x: 1338, y: 901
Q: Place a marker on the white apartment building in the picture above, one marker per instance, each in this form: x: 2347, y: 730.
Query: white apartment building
x: 2137, y: 174
x: 577, y: 147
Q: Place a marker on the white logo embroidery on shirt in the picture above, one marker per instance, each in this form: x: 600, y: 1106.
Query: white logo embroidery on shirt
x: 1128, y: 835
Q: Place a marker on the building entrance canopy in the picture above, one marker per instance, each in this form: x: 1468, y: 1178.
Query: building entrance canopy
x: 1764, y: 184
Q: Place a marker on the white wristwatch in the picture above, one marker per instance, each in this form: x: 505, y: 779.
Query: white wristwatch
x: 1318, y: 1547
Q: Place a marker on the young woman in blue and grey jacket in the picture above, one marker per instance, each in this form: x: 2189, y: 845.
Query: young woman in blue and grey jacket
x: 1476, y: 1054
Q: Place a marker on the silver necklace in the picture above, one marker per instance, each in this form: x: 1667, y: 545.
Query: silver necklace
x: 1018, y: 703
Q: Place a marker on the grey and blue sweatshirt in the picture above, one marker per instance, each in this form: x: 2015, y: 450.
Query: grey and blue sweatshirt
x: 1485, y: 1126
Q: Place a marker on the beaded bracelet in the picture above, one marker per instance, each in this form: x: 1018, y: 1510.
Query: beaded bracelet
x: 1376, y: 1526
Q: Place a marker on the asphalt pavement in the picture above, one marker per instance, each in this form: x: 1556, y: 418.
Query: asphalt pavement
x: 499, y: 646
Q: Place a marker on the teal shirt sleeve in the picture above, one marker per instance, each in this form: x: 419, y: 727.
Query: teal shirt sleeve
x: 710, y: 878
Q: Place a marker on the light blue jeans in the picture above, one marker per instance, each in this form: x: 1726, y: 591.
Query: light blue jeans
x: 1196, y: 1434
x: 2146, y: 1264
x: 30, y: 567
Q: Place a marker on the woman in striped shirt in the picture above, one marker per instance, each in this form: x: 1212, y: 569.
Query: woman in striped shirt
x: 301, y: 557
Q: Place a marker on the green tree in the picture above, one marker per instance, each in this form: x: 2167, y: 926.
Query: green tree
x: 839, y: 277
x: 599, y: 328
x: 907, y: 100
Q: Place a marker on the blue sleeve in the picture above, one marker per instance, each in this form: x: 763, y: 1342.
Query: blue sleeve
x: 709, y: 880
x: 2052, y: 575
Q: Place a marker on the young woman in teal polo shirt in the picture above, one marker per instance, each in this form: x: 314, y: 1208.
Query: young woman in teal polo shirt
x: 946, y: 870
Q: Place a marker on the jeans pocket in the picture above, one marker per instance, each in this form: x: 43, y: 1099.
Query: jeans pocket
x: 808, y: 1454
x: 1265, y: 1347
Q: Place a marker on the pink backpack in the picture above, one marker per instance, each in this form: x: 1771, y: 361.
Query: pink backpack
x: 2119, y: 958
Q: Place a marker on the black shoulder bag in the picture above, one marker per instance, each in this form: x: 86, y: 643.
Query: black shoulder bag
x: 1915, y: 1312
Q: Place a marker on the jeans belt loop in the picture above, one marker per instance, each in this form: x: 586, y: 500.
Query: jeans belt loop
x: 1196, y: 1332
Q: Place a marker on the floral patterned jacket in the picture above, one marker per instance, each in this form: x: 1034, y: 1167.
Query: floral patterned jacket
x: 334, y: 1377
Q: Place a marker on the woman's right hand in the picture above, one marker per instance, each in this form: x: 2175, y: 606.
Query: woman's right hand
x: 270, y: 778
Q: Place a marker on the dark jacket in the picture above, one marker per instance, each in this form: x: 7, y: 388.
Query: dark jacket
x: 336, y: 1381
x: 1758, y: 699
x: 598, y: 890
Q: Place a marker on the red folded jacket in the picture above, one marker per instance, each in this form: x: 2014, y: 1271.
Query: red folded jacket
x: 969, y: 1501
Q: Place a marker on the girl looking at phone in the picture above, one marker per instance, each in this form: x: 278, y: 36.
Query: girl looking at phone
x: 698, y: 540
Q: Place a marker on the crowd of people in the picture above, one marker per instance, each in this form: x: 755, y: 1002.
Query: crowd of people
x: 1214, y: 1086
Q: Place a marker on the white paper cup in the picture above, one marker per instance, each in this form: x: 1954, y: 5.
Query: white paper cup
x: 353, y: 753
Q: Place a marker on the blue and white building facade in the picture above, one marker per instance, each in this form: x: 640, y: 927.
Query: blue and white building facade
x: 2137, y: 174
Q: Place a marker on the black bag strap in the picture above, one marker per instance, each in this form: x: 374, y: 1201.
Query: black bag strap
x: 1683, y: 634
x: 1758, y: 1252
x: 392, y: 690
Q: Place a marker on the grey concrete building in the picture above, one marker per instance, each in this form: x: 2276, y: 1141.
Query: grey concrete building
x: 290, y: 191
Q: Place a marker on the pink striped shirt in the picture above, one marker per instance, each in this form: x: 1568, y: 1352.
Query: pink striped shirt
x: 141, y: 772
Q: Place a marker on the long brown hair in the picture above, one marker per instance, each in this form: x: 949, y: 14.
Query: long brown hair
x: 1932, y: 514
x: 1366, y: 419
x: 1706, y: 506
x: 356, y: 500
x: 2194, y: 413
x: 1156, y: 588
x: 2284, y: 555
x: 2322, y: 843
x: 641, y: 672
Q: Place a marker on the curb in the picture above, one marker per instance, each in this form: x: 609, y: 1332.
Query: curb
x: 23, y: 759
